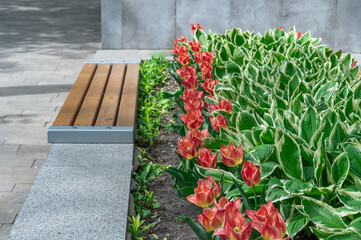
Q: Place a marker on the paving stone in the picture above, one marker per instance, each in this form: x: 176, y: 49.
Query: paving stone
x: 23, y: 171
x: 38, y: 163
x: 9, y: 147
x: 12, y: 197
x: 22, y: 187
x: 35, y: 148
x: 6, y: 178
x: 6, y: 187
x: 4, y: 231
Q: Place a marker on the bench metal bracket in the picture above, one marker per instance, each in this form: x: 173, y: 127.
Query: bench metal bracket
x: 92, y: 134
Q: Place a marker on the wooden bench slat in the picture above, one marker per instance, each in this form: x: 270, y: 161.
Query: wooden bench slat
x: 71, y: 106
x: 110, y: 105
x: 90, y: 107
x: 127, y: 108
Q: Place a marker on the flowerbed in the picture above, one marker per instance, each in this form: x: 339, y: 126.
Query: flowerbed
x: 270, y: 136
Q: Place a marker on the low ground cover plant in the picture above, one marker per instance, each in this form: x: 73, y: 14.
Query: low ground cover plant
x: 151, y: 107
x: 270, y: 135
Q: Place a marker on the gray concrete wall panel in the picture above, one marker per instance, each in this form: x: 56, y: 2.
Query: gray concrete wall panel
x: 256, y: 15
x: 148, y: 24
x: 310, y: 15
x: 348, y: 28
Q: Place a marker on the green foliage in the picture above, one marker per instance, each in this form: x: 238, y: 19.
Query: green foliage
x: 136, y: 229
x: 143, y: 198
x: 297, y: 107
x: 151, y: 103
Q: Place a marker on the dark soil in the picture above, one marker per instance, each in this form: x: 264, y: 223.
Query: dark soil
x: 169, y: 226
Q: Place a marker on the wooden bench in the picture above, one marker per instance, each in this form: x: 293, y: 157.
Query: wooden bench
x: 100, y: 107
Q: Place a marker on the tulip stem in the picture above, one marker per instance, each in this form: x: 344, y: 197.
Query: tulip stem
x: 255, y: 197
x: 188, y: 164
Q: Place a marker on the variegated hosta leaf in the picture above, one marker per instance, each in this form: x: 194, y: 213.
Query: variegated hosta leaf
x: 321, y: 214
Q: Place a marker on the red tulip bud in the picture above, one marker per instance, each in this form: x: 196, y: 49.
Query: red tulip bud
x: 251, y: 174
x: 206, y: 191
x: 230, y: 155
x: 206, y: 158
x: 217, y: 122
x: 195, y: 26
x: 193, y: 119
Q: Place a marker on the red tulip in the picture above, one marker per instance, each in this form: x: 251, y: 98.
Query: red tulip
x: 268, y: 221
x: 235, y: 225
x: 217, y: 122
x: 206, y: 158
x: 299, y: 35
x: 206, y: 191
x: 198, y: 135
x: 186, y: 71
x: 223, y: 104
x: 183, y: 60
x: 198, y: 57
x: 206, y: 69
x: 180, y: 50
x: 183, y: 40
x: 251, y: 174
x: 187, y: 147
x: 193, y: 119
x: 353, y: 64
x: 192, y: 99
x: 207, y: 57
x: 195, y: 26
x: 189, y: 76
x: 212, y: 218
x: 195, y: 46
x: 230, y: 155
x: 209, y: 85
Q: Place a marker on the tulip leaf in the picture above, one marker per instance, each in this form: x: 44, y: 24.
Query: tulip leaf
x: 289, y: 157
x: 322, y: 214
x: 246, y: 201
x: 296, y: 224
x: 186, y: 179
x: 340, y: 169
x: 214, y: 143
x: 197, y: 229
x: 354, y: 155
x: 216, y: 174
x: 350, y: 199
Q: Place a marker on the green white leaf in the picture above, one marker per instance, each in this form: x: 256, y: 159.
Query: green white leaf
x: 350, y: 199
x: 296, y: 224
x: 321, y: 214
x: 289, y: 157
x: 340, y: 168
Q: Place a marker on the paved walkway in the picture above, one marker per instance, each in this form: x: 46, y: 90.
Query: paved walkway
x: 43, y: 45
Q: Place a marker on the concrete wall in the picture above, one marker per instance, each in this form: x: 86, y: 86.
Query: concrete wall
x: 153, y: 24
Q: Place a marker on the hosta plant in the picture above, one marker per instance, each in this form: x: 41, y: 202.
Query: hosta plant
x: 293, y: 107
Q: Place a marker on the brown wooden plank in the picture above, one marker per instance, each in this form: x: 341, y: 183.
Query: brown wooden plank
x: 71, y: 106
x: 128, y: 103
x: 90, y: 107
x: 110, y: 105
